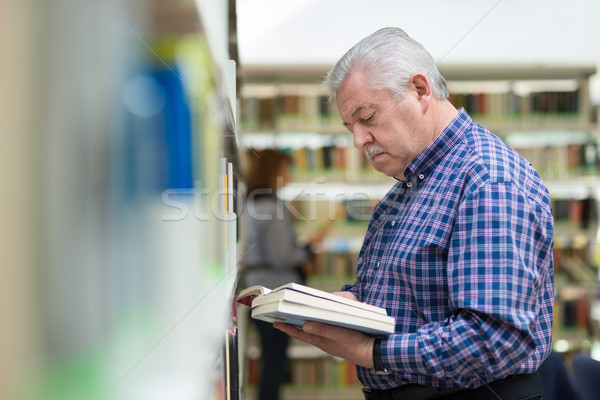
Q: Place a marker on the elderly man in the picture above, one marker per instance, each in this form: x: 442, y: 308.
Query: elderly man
x: 459, y: 251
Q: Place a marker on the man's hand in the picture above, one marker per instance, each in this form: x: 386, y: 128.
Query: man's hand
x: 340, y: 342
x: 348, y: 295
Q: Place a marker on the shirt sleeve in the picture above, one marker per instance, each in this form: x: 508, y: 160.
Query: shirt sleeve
x: 354, y: 289
x: 499, y: 256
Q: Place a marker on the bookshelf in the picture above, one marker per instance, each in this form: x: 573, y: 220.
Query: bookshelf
x: 543, y: 111
x: 130, y: 242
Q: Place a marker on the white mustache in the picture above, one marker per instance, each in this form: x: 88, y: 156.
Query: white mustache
x: 372, y: 150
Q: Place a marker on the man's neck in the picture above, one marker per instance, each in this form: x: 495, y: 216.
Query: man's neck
x: 443, y: 113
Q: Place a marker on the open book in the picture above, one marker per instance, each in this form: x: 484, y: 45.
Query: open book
x: 295, y: 304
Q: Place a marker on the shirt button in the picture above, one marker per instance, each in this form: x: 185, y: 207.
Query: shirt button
x: 408, y: 184
x: 421, y: 176
x: 393, y: 223
x: 378, y: 264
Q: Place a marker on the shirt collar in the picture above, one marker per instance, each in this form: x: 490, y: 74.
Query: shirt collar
x: 429, y: 158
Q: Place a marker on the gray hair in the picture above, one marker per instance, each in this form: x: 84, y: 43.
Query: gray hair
x: 389, y: 57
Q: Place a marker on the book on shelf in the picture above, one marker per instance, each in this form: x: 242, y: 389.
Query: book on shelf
x: 295, y: 304
x: 508, y: 102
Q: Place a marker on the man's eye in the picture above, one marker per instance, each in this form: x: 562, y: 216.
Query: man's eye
x: 369, y: 120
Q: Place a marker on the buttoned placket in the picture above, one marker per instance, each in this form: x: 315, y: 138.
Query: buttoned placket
x: 412, y: 185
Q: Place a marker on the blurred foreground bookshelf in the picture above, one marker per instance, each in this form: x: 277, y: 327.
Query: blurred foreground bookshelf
x: 543, y: 111
x: 128, y: 245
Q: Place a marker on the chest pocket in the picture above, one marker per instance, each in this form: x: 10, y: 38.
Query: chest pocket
x: 424, y: 223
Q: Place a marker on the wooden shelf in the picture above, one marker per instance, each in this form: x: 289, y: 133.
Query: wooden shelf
x: 311, y: 74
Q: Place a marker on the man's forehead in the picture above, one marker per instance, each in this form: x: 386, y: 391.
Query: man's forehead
x: 350, y: 99
x: 354, y: 105
x: 352, y: 85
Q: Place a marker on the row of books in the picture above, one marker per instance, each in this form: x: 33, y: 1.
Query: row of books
x: 577, y: 213
x: 562, y: 154
x: 292, y: 108
x: 511, y: 103
x: 335, y: 268
x: 333, y: 263
x: 572, y: 314
x: 319, y: 372
x: 323, y: 371
x: 576, y: 265
x: 327, y: 157
x: 560, y: 159
x: 266, y: 111
x: 576, y: 219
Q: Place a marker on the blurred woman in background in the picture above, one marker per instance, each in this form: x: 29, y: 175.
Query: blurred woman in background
x: 273, y: 256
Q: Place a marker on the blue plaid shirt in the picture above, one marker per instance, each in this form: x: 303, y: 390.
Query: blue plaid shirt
x: 461, y: 256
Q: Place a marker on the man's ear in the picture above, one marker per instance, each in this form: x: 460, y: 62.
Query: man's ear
x: 421, y: 86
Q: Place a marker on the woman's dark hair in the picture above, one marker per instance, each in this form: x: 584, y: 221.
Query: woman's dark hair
x: 263, y: 170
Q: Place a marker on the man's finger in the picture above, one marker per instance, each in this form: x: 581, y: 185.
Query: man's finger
x: 297, y: 333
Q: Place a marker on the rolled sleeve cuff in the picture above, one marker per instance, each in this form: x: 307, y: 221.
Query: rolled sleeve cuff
x: 352, y: 289
x: 402, y: 353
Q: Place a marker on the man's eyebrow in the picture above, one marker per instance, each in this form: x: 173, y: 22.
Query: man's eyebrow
x: 359, y: 109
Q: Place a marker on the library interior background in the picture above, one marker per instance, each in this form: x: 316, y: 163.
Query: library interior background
x: 125, y: 136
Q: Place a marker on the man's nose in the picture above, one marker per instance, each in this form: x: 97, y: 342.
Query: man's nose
x: 361, y: 136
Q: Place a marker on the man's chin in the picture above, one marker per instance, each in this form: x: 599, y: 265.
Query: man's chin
x: 389, y: 172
